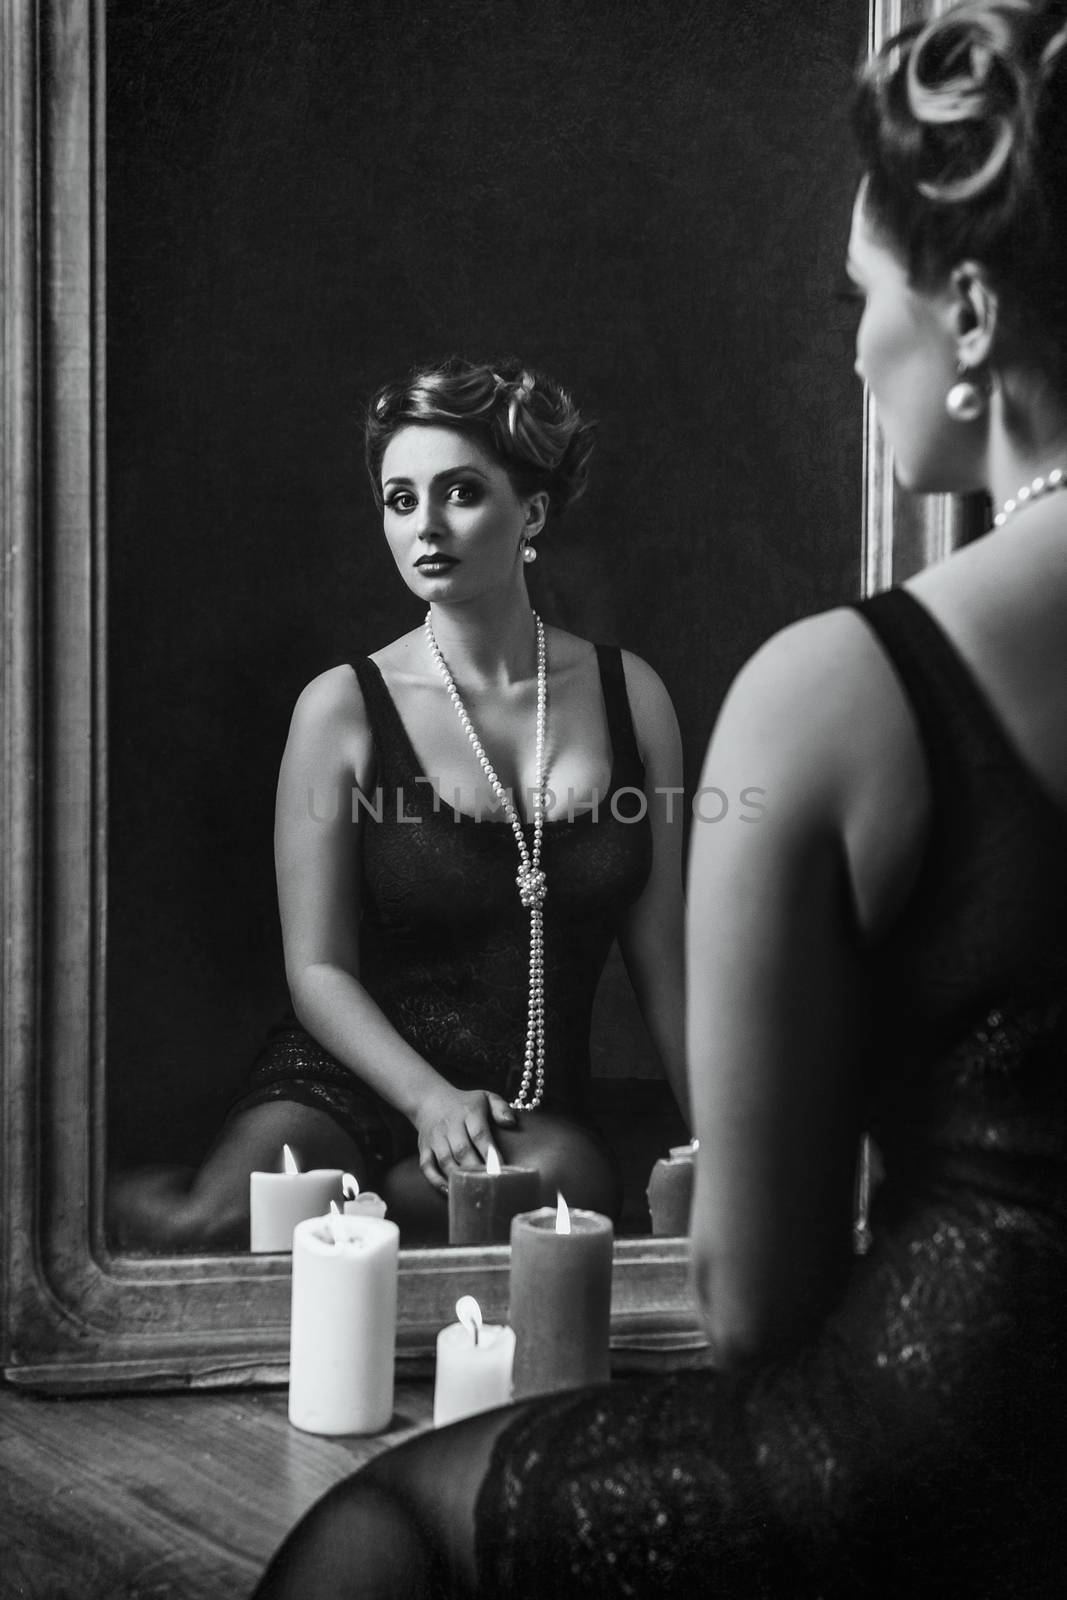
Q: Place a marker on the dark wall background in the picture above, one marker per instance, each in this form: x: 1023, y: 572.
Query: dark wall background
x: 649, y: 199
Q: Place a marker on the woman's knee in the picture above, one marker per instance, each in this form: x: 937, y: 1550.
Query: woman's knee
x: 161, y: 1209
x: 438, y: 1476
x: 418, y: 1210
x: 571, y: 1161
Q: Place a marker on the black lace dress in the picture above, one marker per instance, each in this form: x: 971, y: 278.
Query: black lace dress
x: 918, y: 1446
x: 444, y: 938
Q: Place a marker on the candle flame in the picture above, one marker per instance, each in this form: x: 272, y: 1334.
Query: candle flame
x: 469, y: 1313
x: 492, y: 1162
x: 289, y: 1161
x: 333, y: 1220
x: 349, y: 1186
x: 563, y: 1214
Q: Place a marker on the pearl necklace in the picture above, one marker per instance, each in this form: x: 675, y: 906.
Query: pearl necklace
x: 1034, y: 490
x: 530, y: 878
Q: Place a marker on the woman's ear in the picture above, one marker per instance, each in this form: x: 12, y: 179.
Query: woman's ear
x: 974, y: 309
x: 536, y: 510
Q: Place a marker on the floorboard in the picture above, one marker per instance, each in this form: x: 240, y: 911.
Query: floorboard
x: 162, y: 1497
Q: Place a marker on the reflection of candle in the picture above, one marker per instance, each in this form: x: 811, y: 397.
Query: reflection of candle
x: 473, y: 1365
x: 279, y: 1200
x: 343, y: 1324
x: 360, y: 1203
x: 481, y: 1203
x: 670, y: 1190
x: 560, y: 1301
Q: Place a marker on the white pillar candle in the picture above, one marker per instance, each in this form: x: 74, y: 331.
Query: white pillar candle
x: 277, y: 1201
x: 360, y: 1203
x: 343, y: 1336
x: 473, y: 1365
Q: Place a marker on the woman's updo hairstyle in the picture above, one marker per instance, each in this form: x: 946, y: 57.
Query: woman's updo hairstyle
x: 962, y: 127
x: 520, y: 416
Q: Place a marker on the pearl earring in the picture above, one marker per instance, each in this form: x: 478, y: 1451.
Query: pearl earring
x: 965, y: 401
x: 528, y: 552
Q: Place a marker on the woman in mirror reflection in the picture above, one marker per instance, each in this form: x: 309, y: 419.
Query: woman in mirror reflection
x: 886, y: 951
x: 466, y: 821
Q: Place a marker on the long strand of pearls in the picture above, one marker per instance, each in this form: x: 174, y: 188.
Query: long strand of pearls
x: 1036, y: 489
x: 530, y: 878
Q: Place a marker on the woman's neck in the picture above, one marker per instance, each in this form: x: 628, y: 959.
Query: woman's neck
x: 489, y: 643
x: 1026, y: 449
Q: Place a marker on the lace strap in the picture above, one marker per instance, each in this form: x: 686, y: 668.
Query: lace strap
x: 395, y: 759
x: 626, y: 758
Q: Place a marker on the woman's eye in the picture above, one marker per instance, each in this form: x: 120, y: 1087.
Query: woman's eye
x: 400, y: 501
x: 463, y: 494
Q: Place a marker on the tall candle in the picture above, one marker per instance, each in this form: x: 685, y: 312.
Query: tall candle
x: 474, y: 1362
x: 670, y: 1190
x: 360, y: 1202
x: 343, y: 1331
x: 279, y: 1200
x: 560, y: 1298
x: 482, y: 1202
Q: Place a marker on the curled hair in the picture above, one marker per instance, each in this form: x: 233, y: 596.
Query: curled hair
x: 962, y: 127
x: 527, y: 422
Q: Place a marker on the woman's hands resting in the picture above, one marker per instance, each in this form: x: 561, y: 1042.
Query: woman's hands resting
x: 455, y: 1129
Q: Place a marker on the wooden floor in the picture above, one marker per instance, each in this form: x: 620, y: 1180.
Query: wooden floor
x: 162, y: 1497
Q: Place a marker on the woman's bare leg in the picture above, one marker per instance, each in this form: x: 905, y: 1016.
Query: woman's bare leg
x: 420, y: 1210
x: 400, y: 1529
x: 206, y: 1208
x: 570, y: 1159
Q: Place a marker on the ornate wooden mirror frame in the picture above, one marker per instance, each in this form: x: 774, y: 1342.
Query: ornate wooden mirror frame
x: 76, y: 1316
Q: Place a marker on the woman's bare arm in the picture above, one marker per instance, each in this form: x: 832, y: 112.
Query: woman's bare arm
x: 317, y: 857
x: 776, y: 994
x: 651, y: 937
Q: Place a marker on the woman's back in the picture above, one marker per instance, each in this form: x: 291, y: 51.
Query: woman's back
x: 916, y: 1443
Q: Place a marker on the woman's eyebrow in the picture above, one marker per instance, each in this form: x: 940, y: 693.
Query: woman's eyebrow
x: 438, y: 477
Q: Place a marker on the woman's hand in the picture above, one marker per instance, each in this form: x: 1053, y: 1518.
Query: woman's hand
x: 455, y: 1129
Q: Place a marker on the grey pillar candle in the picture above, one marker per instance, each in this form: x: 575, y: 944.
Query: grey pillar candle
x: 560, y: 1300
x: 482, y: 1202
x: 670, y: 1191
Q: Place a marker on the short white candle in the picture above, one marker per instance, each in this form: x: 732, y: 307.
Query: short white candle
x: 343, y: 1332
x: 360, y: 1203
x: 277, y: 1201
x: 473, y: 1365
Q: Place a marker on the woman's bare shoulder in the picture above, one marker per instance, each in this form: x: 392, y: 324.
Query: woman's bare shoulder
x: 330, y: 727
x: 329, y: 734
x: 821, y: 704
x: 821, y: 665
x: 650, y: 703
x: 331, y: 699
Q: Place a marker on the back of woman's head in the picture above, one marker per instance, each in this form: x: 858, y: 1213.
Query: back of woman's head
x: 962, y: 127
x: 522, y: 418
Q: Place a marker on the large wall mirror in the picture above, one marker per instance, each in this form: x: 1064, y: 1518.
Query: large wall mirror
x: 224, y: 226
